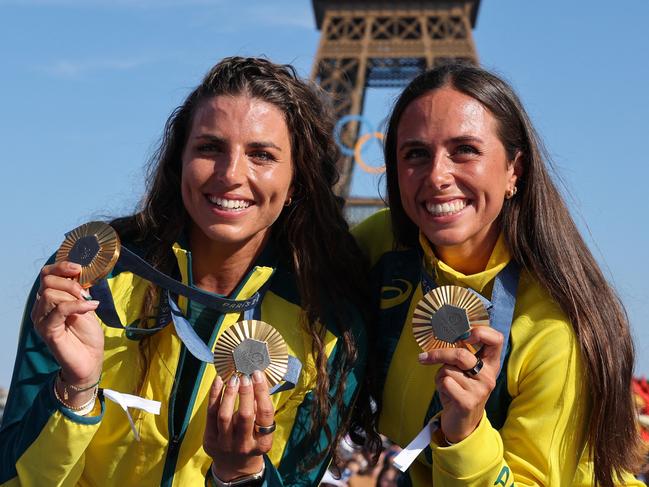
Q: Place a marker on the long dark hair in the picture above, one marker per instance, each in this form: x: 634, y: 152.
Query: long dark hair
x: 544, y: 239
x: 311, y: 231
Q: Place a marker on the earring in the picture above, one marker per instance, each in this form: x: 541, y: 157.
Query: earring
x: 509, y: 194
x: 289, y: 201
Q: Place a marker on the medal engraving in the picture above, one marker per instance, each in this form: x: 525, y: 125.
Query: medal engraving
x: 449, y: 323
x: 84, y: 250
x: 251, y: 355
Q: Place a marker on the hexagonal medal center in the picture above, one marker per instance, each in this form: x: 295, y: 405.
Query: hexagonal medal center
x: 84, y: 250
x: 449, y: 323
x: 251, y: 355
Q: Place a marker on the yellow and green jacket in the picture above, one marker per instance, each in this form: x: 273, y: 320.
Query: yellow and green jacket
x: 43, y: 443
x: 534, y: 430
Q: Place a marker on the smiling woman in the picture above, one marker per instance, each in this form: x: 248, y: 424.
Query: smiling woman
x: 454, y: 173
x: 542, y: 397
x: 237, y: 171
x: 239, y: 204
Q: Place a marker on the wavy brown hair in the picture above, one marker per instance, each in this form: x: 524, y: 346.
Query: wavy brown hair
x: 544, y: 239
x: 311, y: 232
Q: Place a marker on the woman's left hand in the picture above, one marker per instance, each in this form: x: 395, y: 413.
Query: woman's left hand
x: 463, y: 394
x: 230, y: 437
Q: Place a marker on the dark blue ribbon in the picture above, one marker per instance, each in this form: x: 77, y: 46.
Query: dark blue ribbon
x: 170, y: 312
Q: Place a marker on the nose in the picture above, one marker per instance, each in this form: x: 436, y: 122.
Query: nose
x: 232, y: 166
x: 441, y: 174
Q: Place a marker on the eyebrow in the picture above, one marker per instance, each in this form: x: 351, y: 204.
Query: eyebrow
x: 264, y: 144
x: 466, y: 138
x: 412, y: 143
x: 255, y: 145
x: 453, y: 140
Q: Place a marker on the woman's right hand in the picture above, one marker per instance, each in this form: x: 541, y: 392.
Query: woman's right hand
x: 67, y: 324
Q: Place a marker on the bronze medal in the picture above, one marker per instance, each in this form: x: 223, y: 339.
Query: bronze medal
x: 444, y: 317
x: 95, y: 246
x: 251, y: 345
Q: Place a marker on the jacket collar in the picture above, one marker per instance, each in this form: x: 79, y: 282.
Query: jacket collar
x: 260, y: 273
x: 480, y: 281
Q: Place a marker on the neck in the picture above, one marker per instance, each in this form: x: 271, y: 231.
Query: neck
x: 218, y: 267
x: 469, y: 257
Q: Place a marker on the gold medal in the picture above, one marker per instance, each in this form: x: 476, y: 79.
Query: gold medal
x: 251, y: 345
x: 95, y: 246
x: 444, y: 317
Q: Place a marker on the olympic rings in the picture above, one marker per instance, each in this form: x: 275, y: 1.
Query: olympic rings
x: 357, y: 153
x: 360, y: 142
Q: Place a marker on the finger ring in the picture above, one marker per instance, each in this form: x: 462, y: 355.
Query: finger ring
x: 265, y: 430
x: 473, y: 371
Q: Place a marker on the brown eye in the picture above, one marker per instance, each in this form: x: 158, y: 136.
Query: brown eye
x: 466, y: 149
x: 262, y: 156
x: 208, y: 148
x: 416, y: 154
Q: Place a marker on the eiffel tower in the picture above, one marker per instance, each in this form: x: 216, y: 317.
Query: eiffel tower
x: 384, y: 43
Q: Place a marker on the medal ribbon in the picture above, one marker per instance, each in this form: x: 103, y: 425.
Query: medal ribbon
x: 170, y: 312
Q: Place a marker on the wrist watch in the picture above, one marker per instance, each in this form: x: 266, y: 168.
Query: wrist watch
x: 246, y: 480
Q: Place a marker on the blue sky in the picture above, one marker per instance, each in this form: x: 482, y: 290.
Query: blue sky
x: 88, y: 84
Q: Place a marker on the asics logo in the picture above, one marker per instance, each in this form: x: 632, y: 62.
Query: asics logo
x: 392, y: 296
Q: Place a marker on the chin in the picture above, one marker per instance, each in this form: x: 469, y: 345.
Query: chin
x: 445, y: 238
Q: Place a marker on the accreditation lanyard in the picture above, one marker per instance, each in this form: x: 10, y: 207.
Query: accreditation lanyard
x: 501, y: 312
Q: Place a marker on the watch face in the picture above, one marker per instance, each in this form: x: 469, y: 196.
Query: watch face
x: 444, y: 317
x: 251, y: 345
x: 95, y: 247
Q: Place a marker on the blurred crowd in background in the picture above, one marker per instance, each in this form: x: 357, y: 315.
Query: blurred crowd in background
x: 356, y: 469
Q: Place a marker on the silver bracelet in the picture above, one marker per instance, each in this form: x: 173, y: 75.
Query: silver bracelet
x: 239, y: 481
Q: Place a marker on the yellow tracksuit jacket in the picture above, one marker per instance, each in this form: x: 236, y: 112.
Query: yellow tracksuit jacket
x: 45, y: 444
x: 544, y: 401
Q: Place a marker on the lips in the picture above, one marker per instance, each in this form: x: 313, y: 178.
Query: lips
x: 446, y: 208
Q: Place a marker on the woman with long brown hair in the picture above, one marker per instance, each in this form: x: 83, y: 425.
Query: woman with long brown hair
x: 239, y: 205
x: 546, y: 399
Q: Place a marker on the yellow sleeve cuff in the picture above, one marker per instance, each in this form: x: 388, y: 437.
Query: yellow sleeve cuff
x: 476, y: 455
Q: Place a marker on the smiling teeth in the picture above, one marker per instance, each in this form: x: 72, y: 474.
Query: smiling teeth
x: 229, y: 204
x: 443, y: 209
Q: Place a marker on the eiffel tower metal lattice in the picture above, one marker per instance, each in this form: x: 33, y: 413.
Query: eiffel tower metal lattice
x: 383, y: 43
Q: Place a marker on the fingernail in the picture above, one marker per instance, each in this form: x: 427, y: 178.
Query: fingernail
x: 245, y: 380
x: 423, y: 356
x: 85, y: 295
x: 234, y: 380
x: 218, y: 381
x: 93, y: 302
x: 257, y: 377
x: 73, y: 266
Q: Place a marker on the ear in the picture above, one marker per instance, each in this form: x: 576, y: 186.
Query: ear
x: 289, y: 196
x: 516, y: 166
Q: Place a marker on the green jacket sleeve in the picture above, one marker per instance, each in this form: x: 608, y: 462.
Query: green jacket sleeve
x: 41, y: 442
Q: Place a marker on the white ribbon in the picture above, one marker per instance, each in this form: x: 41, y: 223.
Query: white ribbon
x: 406, y: 456
x: 126, y: 401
